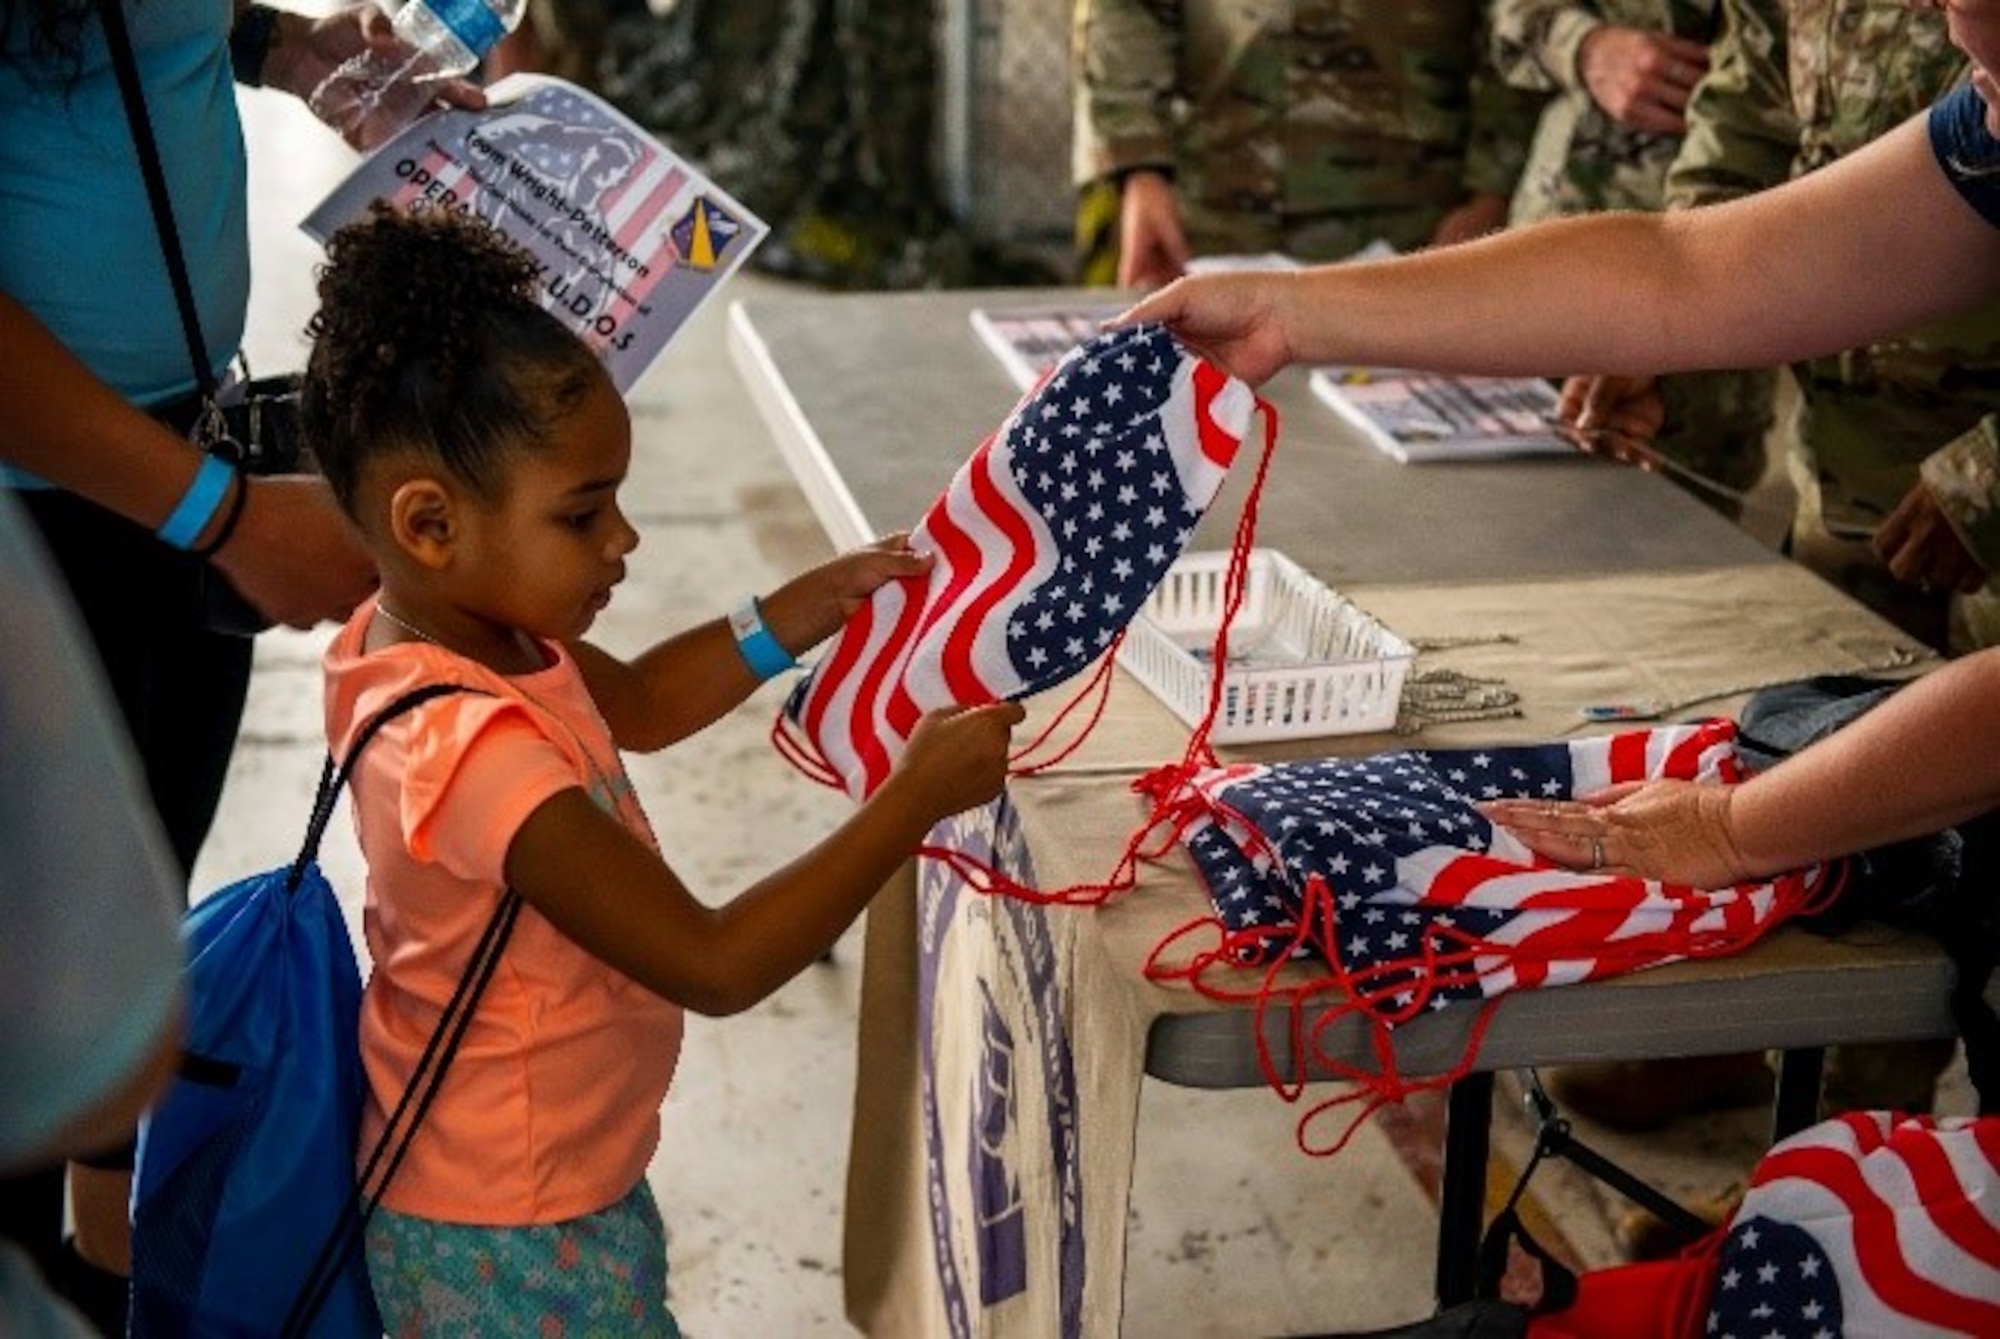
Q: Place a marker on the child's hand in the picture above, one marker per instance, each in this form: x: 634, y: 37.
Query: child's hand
x: 811, y: 607
x: 851, y: 578
x: 957, y: 756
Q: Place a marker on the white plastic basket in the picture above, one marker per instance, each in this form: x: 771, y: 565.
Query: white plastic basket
x: 1303, y: 660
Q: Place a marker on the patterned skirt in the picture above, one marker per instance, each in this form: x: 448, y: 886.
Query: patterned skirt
x: 602, y: 1274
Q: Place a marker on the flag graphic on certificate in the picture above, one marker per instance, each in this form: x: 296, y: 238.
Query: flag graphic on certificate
x: 629, y: 238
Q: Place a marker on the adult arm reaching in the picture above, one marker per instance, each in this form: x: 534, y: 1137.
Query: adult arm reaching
x: 1878, y: 242
x: 1895, y: 235
x: 1920, y: 762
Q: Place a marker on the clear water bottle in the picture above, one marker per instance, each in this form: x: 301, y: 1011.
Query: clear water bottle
x: 377, y: 93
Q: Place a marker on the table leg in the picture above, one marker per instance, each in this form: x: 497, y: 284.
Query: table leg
x: 1462, y: 1192
x: 884, y: 1241
x: 1796, y: 1103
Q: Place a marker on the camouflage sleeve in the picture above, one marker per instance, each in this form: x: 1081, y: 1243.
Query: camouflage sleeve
x: 1124, y: 55
x: 1742, y: 132
x: 1535, y: 42
x: 1964, y: 477
x: 1504, y: 118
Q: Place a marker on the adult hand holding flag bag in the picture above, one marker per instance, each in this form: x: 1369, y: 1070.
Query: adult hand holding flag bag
x: 1048, y: 540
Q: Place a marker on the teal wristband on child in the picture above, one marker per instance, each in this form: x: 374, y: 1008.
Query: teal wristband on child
x: 197, y: 506
x: 764, y: 654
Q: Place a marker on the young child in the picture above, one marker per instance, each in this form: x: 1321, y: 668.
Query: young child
x: 479, y: 446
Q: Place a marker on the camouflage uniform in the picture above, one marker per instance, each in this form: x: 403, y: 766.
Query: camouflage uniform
x: 1799, y: 83
x: 1583, y: 161
x: 1309, y: 127
x: 817, y: 114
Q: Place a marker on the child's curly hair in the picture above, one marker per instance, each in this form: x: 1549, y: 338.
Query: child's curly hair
x: 428, y: 339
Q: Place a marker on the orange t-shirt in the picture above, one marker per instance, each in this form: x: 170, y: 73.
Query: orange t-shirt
x: 551, y: 1108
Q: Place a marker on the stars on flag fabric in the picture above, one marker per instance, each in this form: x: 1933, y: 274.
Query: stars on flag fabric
x: 1382, y: 866
x: 1380, y: 870
x: 1867, y: 1224
x: 1048, y: 540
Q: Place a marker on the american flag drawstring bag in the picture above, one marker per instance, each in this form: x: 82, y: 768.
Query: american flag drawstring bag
x: 1047, y: 542
x: 1380, y: 873
x: 1870, y: 1223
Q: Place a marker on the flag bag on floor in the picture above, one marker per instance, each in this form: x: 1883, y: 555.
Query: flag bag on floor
x: 245, y: 1204
x: 1870, y: 1223
x: 1047, y: 542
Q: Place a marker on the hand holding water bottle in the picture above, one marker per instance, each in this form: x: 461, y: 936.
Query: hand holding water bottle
x: 406, y: 64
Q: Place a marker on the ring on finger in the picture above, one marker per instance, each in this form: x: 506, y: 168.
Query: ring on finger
x: 1597, y: 853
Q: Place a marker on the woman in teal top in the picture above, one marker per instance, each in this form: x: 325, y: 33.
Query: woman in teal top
x: 95, y: 397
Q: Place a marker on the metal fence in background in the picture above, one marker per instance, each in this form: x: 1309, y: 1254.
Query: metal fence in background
x: 1004, y: 122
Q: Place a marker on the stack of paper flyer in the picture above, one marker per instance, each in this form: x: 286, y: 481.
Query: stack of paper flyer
x: 1421, y: 417
x: 629, y: 238
x: 1029, y: 341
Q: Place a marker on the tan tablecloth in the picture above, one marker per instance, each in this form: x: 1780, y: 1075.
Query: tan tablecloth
x: 1003, y: 1045
x: 1672, y: 637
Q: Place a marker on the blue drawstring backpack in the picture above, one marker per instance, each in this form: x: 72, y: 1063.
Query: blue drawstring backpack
x: 246, y: 1211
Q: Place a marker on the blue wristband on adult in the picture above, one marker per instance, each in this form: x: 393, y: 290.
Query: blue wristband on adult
x: 763, y: 653
x: 196, y: 508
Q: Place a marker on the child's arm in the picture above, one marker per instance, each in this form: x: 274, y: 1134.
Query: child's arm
x: 689, y: 681
x: 619, y: 901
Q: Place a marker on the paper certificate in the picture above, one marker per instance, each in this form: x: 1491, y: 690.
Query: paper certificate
x: 1421, y: 417
x: 629, y: 239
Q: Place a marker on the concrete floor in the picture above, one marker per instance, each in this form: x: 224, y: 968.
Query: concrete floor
x: 1232, y: 1232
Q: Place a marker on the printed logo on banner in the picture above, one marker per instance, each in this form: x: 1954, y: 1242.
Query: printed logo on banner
x: 999, y: 1215
x: 998, y: 1088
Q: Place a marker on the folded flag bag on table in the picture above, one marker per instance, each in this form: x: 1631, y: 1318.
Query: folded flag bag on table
x: 1381, y: 870
x: 1047, y: 542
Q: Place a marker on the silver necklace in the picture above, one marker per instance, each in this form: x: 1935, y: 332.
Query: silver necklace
x: 404, y: 623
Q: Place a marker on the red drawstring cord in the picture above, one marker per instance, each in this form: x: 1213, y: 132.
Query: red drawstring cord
x: 1098, y: 685
x: 1386, y: 994
x: 984, y: 877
